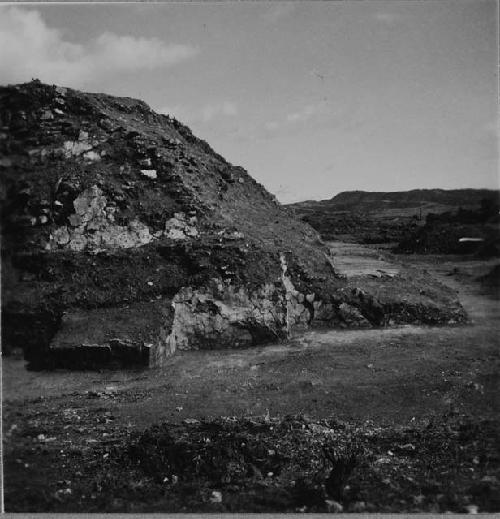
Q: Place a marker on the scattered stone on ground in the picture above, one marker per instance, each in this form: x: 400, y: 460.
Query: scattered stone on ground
x: 253, y: 464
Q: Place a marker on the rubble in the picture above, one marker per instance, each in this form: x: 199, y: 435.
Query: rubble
x: 92, y: 226
x: 150, y: 173
x: 225, y: 465
x: 180, y: 227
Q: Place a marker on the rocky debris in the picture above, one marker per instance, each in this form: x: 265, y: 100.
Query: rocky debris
x: 216, y: 497
x: 352, y: 316
x: 107, y: 204
x: 249, y: 464
x: 81, y: 146
x: 333, y: 506
x: 150, y: 173
x: 299, y: 308
x: 180, y: 227
x: 92, y: 227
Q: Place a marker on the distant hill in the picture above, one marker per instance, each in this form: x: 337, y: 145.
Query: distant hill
x: 377, y: 217
x: 363, y: 201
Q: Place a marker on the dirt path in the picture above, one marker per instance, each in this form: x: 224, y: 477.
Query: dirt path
x: 351, y: 259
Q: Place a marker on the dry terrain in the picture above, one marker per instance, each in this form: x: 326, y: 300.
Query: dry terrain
x: 126, y: 238
x: 422, y: 220
x: 389, y: 419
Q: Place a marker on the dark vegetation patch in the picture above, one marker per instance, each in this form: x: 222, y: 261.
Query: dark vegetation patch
x: 420, y: 221
x: 490, y: 282
x: 442, y: 233
x: 362, y: 228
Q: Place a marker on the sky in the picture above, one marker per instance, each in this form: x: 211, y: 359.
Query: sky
x: 312, y: 98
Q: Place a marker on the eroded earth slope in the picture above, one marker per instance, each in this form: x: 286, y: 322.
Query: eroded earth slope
x: 125, y: 238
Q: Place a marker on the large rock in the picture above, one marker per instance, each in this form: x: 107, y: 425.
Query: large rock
x: 125, y: 238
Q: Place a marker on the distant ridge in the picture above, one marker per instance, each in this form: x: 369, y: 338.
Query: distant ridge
x: 369, y: 200
x: 386, y: 216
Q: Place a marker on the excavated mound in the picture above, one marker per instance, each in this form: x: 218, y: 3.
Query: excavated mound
x: 125, y: 238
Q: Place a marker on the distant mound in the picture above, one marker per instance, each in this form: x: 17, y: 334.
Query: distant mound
x: 381, y: 217
x: 126, y: 238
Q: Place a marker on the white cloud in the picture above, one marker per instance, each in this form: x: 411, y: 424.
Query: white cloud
x: 271, y: 126
x: 227, y: 108
x: 286, y: 123
x: 202, y: 114
x: 302, y: 115
x: 491, y: 127
x: 278, y: 10
x: 387, y: 17
x: 30, y: 49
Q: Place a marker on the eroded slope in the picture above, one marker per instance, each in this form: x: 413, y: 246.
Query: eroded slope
x: 111, y: 209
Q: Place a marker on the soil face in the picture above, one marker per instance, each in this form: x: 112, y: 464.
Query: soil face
x: 399, y: 419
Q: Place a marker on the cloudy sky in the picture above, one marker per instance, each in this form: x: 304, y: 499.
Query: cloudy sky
x: 312, y: 98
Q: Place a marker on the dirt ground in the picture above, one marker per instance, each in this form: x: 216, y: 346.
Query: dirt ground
x: 59, y: 426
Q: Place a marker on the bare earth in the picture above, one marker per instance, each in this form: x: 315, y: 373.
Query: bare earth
x: 392, y: 377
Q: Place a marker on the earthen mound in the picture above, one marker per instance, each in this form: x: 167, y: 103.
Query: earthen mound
x: 126, y: 238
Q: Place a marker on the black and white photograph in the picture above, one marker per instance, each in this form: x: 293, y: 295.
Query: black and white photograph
x: 250, y: 257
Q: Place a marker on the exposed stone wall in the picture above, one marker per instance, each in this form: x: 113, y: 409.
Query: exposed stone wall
x: 299, y: 309
x: 82, y: 146
x: 92, y: 227
x: 180, y: 227
x: 161, y: 349
x: 222, y: 315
